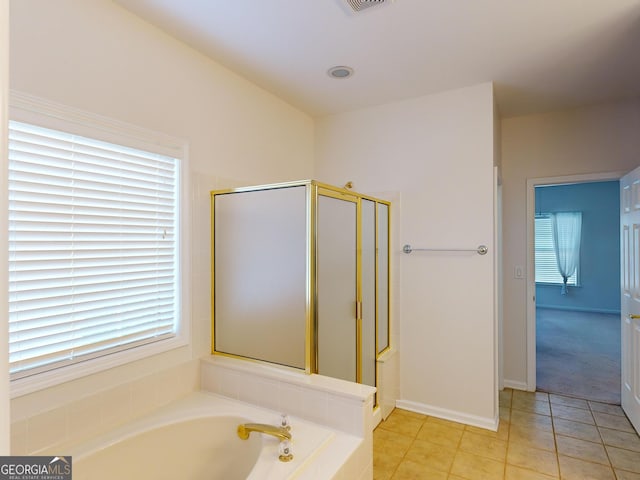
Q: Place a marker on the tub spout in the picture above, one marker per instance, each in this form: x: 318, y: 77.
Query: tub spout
x: 279, y: 432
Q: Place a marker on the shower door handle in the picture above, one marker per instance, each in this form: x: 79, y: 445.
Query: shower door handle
x: 633, y: 317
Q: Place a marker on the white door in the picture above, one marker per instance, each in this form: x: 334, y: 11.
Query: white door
x: 630, y: 304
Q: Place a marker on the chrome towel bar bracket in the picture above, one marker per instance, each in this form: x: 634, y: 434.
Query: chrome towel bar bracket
x: 481, y: 250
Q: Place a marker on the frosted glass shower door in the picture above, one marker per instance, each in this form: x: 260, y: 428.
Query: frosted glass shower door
x: 301, y: 277
x: 368, y: 292
x: 260, y: 274
x: 336, y: 286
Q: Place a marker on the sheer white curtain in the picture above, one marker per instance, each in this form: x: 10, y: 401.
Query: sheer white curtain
x: 567, y: 228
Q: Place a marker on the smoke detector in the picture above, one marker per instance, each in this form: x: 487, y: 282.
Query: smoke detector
x: 359, y: 5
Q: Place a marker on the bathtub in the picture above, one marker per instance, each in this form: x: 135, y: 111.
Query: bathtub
x: 195, y: 438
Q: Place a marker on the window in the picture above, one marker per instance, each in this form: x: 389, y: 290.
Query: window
x: 94, y: 251
x: 546, y: 264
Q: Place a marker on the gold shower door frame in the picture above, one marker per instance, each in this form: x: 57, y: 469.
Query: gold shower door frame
x: 313, y: 191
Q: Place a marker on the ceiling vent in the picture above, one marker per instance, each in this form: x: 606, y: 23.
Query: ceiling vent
x: 359, y: 5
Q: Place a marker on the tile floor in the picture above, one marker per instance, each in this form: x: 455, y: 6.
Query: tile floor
x: 541, y: 437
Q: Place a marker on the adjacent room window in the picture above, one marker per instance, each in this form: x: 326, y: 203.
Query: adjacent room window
x: 545, y: 256
x: 94, y: 251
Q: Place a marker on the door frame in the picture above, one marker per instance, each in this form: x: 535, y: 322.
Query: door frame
x: 532, y: 183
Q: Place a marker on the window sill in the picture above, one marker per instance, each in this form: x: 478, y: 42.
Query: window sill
x: 51, y: 378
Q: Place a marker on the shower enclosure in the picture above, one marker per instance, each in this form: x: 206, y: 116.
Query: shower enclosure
x: 300, y: 277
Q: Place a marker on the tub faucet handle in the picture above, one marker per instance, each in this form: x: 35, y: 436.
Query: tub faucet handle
x: 284, y: 450
x: 284, y: 421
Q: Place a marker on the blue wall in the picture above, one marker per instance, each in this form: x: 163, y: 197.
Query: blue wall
x: 599, y: 274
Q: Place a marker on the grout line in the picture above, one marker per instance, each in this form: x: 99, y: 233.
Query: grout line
x: 555, y: 440
x: 506, y: 454
x: 606, y: 452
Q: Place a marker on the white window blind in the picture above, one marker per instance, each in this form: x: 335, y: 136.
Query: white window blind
x: 545, y: 260
x: 93, y: 248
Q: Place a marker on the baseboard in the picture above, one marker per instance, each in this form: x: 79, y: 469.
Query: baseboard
x: 579, y: 309
x: 515, y: 385
x: 446, y: 414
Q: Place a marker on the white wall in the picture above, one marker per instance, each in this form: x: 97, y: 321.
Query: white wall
x: 96, y: 56
x: 597, y: 139
x: 435, y: 154
x: 4, y: 327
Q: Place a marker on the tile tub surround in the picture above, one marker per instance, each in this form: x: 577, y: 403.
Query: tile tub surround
x: 541, y: 437
x: 44, y: 421
x: 337, y: 404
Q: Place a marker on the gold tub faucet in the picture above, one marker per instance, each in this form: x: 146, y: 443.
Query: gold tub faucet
x: 280, y: 432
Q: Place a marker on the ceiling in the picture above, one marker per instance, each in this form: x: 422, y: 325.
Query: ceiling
x: 542, y: 55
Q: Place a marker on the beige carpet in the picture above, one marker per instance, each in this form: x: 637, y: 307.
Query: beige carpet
x: 578, y: 354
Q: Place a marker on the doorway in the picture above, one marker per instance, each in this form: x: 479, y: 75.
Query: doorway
x: 574, y: 335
